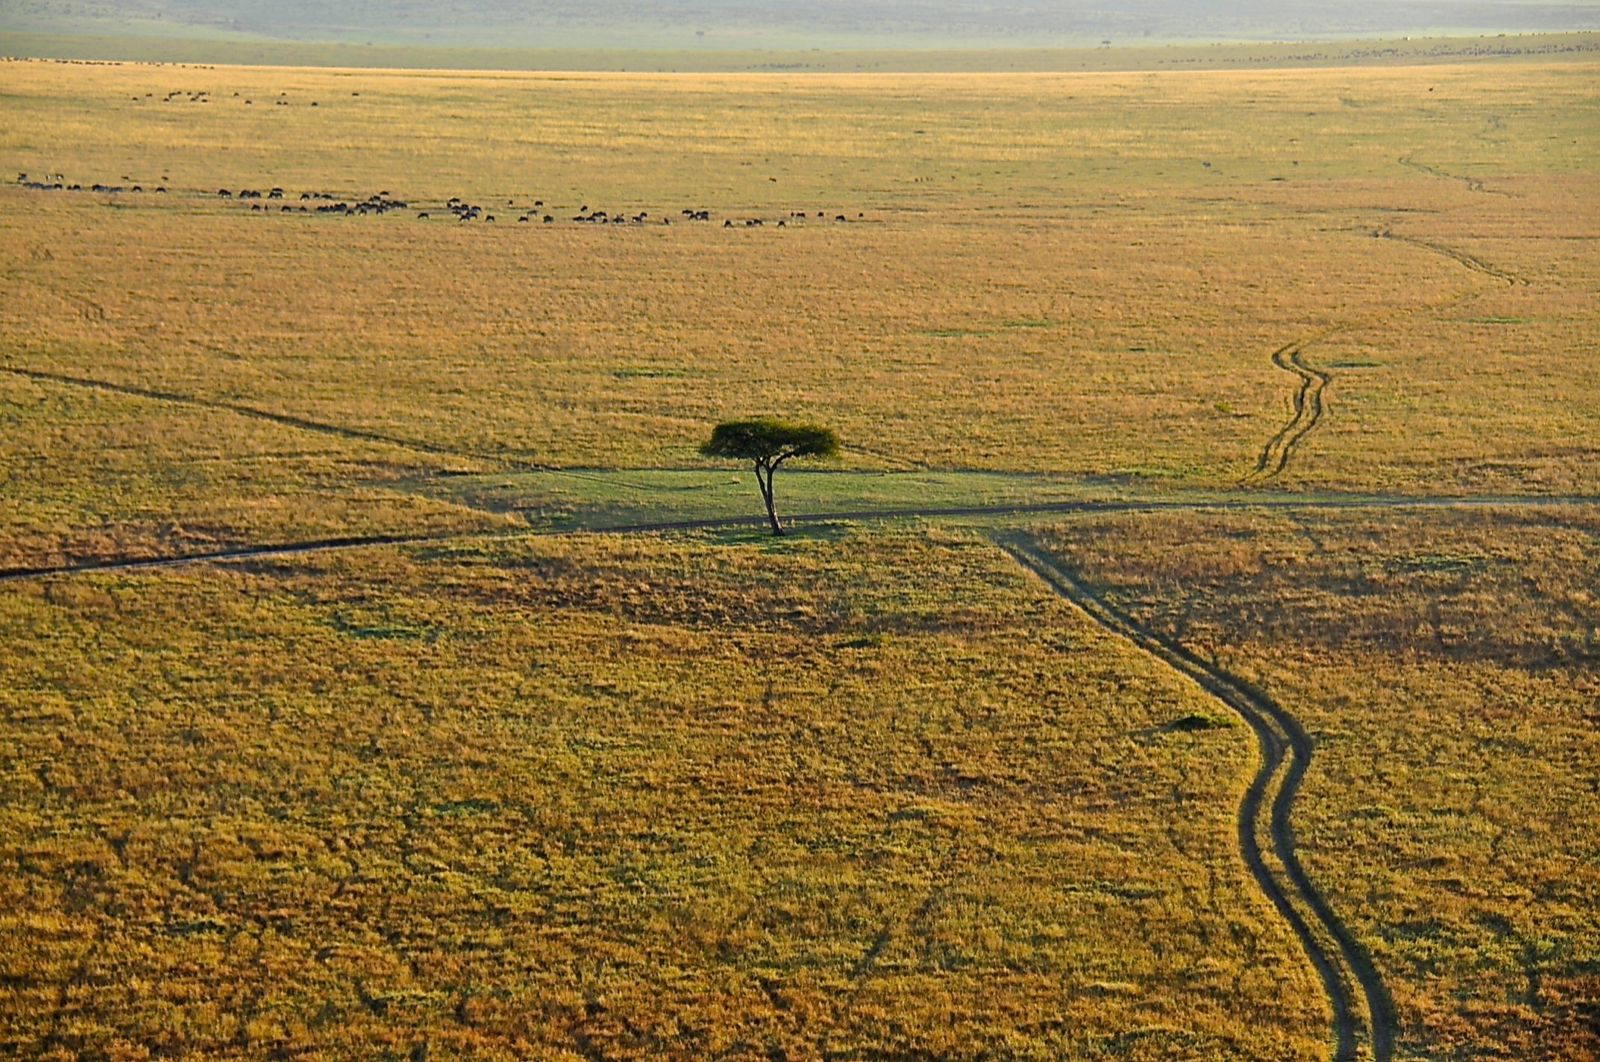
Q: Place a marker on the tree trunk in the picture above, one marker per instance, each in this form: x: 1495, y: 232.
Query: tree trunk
x: 765, y: 483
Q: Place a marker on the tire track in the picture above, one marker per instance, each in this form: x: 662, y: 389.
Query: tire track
x: 1472, y: 183
x: 285, y: 419
x: 248, y: 552
x: 1308, y: 409
x: 1473, y: 263
x: 238, y: 553
x: 1285, y: 748
x: 1308, y: 397
x: 338, y: 431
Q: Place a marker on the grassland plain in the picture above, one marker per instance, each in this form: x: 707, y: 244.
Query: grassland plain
x: 1075, y: 274
x: 1449, y: 668
x: 860, y: 794
x: 864, y: 792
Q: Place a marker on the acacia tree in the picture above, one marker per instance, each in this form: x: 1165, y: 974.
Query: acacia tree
x: 769, y: 442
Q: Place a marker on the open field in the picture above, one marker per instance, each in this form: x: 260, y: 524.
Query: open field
x: 1286, y: 378
x: 1449, y: 668
x: 1078, y: 275
x: 599, y: 796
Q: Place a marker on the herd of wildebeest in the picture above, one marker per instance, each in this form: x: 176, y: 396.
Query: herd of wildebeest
x: 383, y: 202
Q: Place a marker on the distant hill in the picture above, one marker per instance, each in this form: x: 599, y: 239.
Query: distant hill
x: 785, y: 24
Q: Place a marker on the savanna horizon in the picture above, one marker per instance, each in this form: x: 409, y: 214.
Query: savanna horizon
x: 525, y: 743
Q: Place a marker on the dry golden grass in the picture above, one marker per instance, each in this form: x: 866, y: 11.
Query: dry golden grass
x: 1449, y: 669
x: 857, y: 794
x: 879, y: 795
x: 1048, y: 275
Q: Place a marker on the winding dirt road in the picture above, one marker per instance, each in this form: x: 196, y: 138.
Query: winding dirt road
x: 1360, y: 1004
x: 1285, y: 750
x: 1274, y: 457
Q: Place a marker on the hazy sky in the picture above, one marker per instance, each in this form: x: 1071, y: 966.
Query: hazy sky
x: 795, y: 23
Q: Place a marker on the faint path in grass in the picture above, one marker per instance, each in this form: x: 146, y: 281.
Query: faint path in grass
x: 240, y: 553
x: 1240, y: 502
x: 1308, y: 397
x: 1472, y: 262
x: 1308, y: 409
x: 285, y: 419
x: 1472, y: 183
x: 1285, y: 748
x: 506, y: 462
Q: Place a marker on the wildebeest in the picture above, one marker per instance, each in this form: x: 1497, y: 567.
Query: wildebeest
x: 224, y: 193
x: 422, y: 216
x: 547, y: 219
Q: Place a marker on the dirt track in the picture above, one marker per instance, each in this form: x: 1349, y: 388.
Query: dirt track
x: 1269, y: 501
x: 1274, y: 457
x: 1346, y: 972
x: 1477, y: 265
x: 285, y: 419
x: 1285, y: 748
x: 1472, y: 183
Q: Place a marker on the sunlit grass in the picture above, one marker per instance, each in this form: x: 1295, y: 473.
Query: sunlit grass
x: 1449, y: 668
x: 873, y: 795
x: 851, y: 792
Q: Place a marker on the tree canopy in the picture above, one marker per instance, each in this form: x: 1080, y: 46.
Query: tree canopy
x: 768, y: 442
x: 770, y: 439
